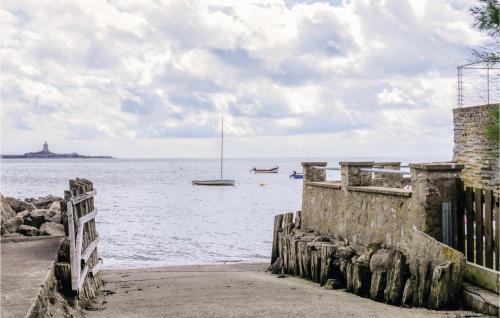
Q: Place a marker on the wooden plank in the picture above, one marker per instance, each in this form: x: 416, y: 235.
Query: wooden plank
x: 82, y: 277
x: 96, y: 268
x: 79, y: 246
x: 82, y: 197
x: 460, y: 244
x: 469, y: 204
x: 278, y: 226
x: 478, y: 211
x: 488, y: 228
x: 72, y: 249
x: 90, y: 249
x: 497, y: 233
x: 87, y: 217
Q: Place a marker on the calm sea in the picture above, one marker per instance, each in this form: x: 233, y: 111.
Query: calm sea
x: 151, y: 215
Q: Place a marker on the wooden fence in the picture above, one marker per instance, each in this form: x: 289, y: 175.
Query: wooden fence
x: 83, y: 237
x: 478, y: 232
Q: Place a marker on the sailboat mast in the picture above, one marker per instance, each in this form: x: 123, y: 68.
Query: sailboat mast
x: 222, y: 147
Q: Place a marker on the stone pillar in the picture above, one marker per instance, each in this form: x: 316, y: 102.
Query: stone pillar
x: 351, y: 175
x: 434, y: 184
x: 313, y: 174
x: 389, y: 180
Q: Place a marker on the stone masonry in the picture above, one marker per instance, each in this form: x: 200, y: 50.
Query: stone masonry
x: 473, y: 149
x: 374, y: 241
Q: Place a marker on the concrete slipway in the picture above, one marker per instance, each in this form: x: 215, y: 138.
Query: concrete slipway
x: 238, y: 290
x: 26, y: 267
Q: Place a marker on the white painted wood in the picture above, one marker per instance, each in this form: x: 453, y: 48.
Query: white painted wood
x: 72, y: 248
x: 90, y: 248
x: 79, y: 245
x: 96, y: 268
x: 87, y: 217
x: 81, y: 280
x: 82, y: 197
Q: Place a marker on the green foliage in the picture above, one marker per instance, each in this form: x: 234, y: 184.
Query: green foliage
x: 492, y: 130
x: 487, y: 19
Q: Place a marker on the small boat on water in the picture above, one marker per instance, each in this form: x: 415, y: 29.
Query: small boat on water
x: 296, y: 175
x: 217, y: 182
x: 220, y: 182
x: 271, y: 170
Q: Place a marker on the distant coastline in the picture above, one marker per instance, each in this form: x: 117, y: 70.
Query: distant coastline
x: 46, y: 154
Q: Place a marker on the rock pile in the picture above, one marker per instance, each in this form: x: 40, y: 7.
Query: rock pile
x: 381, y: 274
x: 31, y: 217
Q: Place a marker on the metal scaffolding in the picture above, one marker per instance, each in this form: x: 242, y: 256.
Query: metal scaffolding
x: 478, y: 84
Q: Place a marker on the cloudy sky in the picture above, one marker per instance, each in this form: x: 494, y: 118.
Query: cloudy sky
x: 292, y: 78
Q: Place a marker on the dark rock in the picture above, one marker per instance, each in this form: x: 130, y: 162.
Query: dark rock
x: 361, y: 278
x: 349, y: 277
x: 343, y: 253
x: 315, y: 264
x: 51, y: 228
x: 28, y: 230
x: 63, y: 275
x: 43, y: 202
x: 396, y: 278
x: 276, y: 267
x: 326, y: 271
x: 63, y: 255
x: 378, y: 284
x: 441, y: 276
x: 381, y: 260
x: 333, y: 283
x: 408, y: 292
x: 18, y: 205
x: 35, y: 218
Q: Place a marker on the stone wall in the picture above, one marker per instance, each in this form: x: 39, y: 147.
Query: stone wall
x: 378, y: 242
x: 473, y: 149
x: 355, y: 210
x: 360, y: 217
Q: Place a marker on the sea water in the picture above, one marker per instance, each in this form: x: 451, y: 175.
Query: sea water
x: 150, y: 214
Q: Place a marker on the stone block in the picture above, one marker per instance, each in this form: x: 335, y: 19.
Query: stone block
x: 441, y: 277
x: 408, y: 292
x: 36, y: 218
x: 423, y: 283
x: 378, y: 285
x: 396, y: 278
x: 51, y: 228
x: 277, y: 265
x: 18, y: 205
x: 28, y: 230
x: 361, y: 278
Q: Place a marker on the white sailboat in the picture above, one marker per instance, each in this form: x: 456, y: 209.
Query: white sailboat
x: 221, y: 181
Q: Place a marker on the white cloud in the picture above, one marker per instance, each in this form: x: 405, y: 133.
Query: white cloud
x: 119, y: 73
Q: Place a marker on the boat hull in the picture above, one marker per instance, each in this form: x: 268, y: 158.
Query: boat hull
x: 214, y: 182
x: 272, y: 170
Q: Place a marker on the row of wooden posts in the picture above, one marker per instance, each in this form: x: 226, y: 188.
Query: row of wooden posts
x: 83, y: 238
x: 478, y: 225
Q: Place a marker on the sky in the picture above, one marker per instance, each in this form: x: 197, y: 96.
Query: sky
x: 292, y: 78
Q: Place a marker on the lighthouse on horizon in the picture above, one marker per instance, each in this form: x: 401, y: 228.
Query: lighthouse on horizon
x: 46, y: 148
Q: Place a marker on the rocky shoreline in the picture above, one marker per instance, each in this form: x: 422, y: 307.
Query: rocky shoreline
x: 31, y: 217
